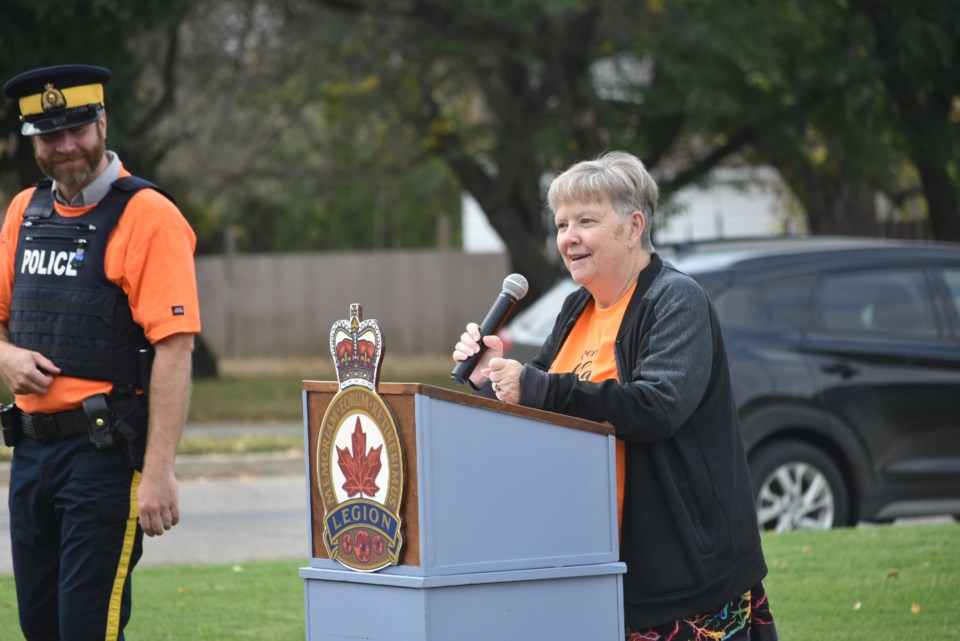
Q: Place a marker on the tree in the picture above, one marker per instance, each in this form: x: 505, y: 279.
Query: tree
x: 335, y: 124
x: 113, y: 34
x: 137, y: 41
x: 867, y: 87
x: 918, y: 48
x: 260, y: 142
x: 797, y: 72
x: 508, y: 92
x: 214, y: 101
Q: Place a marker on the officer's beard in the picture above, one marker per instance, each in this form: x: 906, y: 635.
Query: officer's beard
x: 74, y: 175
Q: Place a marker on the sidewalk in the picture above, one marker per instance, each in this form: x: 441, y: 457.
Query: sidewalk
x: 190, y: 466
x: 280, y: 463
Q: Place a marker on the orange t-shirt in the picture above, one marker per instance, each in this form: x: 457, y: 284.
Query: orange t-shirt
x: 149, y: 255
x: 588, y: 353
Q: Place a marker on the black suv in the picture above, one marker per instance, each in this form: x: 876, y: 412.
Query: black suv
x: 845, y: 361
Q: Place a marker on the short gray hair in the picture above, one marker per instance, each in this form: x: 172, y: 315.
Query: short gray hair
x: 616, y: 176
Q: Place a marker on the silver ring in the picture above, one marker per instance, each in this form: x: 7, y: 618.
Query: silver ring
x: 496, y: 387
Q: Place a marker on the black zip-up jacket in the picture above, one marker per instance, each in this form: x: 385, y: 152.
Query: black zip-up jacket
x: 690, y: 538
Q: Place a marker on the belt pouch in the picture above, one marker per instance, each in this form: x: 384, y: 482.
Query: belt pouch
x: 10, y: 419
x: 129, y: 411
x: 101, y: 427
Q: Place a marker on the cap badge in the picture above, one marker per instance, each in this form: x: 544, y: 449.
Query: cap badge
x: 52, y: 98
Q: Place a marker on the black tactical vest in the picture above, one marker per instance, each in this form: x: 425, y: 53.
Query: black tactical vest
x: 63, y: 305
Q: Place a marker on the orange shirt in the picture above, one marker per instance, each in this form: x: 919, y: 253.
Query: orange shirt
x: 149, y: 255
x: 588, y: 353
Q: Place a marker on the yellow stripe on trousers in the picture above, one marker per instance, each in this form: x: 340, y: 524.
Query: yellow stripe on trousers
x: 123, y: 568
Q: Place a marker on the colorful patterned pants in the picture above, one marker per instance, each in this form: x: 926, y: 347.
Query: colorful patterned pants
x: 746, y: 618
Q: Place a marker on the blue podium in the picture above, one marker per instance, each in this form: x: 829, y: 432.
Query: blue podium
x: 509, y: 527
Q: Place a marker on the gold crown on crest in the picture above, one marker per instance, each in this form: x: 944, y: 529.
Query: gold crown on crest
x: 356, y: 346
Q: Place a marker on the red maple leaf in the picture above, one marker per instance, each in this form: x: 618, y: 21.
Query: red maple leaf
x: 360, y: 467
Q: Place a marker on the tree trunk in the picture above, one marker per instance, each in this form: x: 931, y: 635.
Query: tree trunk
x: 923, y: 86
x: 833, y: 207
x: 942, y: 205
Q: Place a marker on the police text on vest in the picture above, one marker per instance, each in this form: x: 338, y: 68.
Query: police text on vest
x: 40, y: 261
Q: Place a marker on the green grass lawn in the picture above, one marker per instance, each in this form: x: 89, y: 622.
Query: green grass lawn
x: 242, y: 398
x: 898, y: 583
x: 876, y: 584
x: 271, y: 397
x: 244, y: 393
x: 277, y: 397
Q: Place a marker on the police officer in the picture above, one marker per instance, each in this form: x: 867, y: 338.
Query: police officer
x: 98, y: 312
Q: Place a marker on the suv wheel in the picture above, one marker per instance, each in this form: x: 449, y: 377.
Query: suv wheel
x: 798, y: 487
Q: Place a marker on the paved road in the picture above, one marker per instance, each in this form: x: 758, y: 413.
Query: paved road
x: 234, y: 508
x: 222, y: 521
x: 227, y: 520
x: 219, y: 465
x: 235, y: 520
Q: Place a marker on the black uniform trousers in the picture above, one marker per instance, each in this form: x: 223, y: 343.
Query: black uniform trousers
x: 75, y: 539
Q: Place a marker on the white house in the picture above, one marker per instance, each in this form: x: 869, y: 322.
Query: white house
x: 733, y: 202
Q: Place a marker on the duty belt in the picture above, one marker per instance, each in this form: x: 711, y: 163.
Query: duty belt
x: 49, y: 428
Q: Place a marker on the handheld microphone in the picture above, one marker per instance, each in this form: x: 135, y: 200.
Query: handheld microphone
x: 514, y: 288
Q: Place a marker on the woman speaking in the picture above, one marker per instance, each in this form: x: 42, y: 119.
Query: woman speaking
x: 638, y: 346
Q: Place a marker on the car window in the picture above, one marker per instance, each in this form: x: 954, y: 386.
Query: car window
x: 779, y: 304
x: 882, y: 301
x: 952, y: 277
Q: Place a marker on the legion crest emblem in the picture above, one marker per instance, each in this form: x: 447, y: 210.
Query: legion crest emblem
x: 359, y: 460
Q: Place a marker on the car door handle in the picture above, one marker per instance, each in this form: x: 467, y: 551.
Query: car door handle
x: 842, y: 369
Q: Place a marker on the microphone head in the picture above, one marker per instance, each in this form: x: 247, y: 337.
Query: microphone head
x: 515, y: 285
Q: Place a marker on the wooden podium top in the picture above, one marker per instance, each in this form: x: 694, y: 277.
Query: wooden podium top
x: 583, y: 472
x: 461, y: 398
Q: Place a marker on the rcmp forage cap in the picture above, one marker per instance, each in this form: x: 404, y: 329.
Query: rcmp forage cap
x: 59, y: 97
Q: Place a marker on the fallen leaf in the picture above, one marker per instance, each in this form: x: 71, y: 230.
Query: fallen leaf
x: 893, y: 574
x: 807, y: 549
x: 915, y: 608
x: 181, y: 590
x: 783, y: 564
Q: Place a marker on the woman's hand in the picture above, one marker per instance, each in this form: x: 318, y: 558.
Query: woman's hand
x: 469, y: 345
x: 504, y: 373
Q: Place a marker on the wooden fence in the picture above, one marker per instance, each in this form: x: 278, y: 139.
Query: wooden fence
x: 284, y: 304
